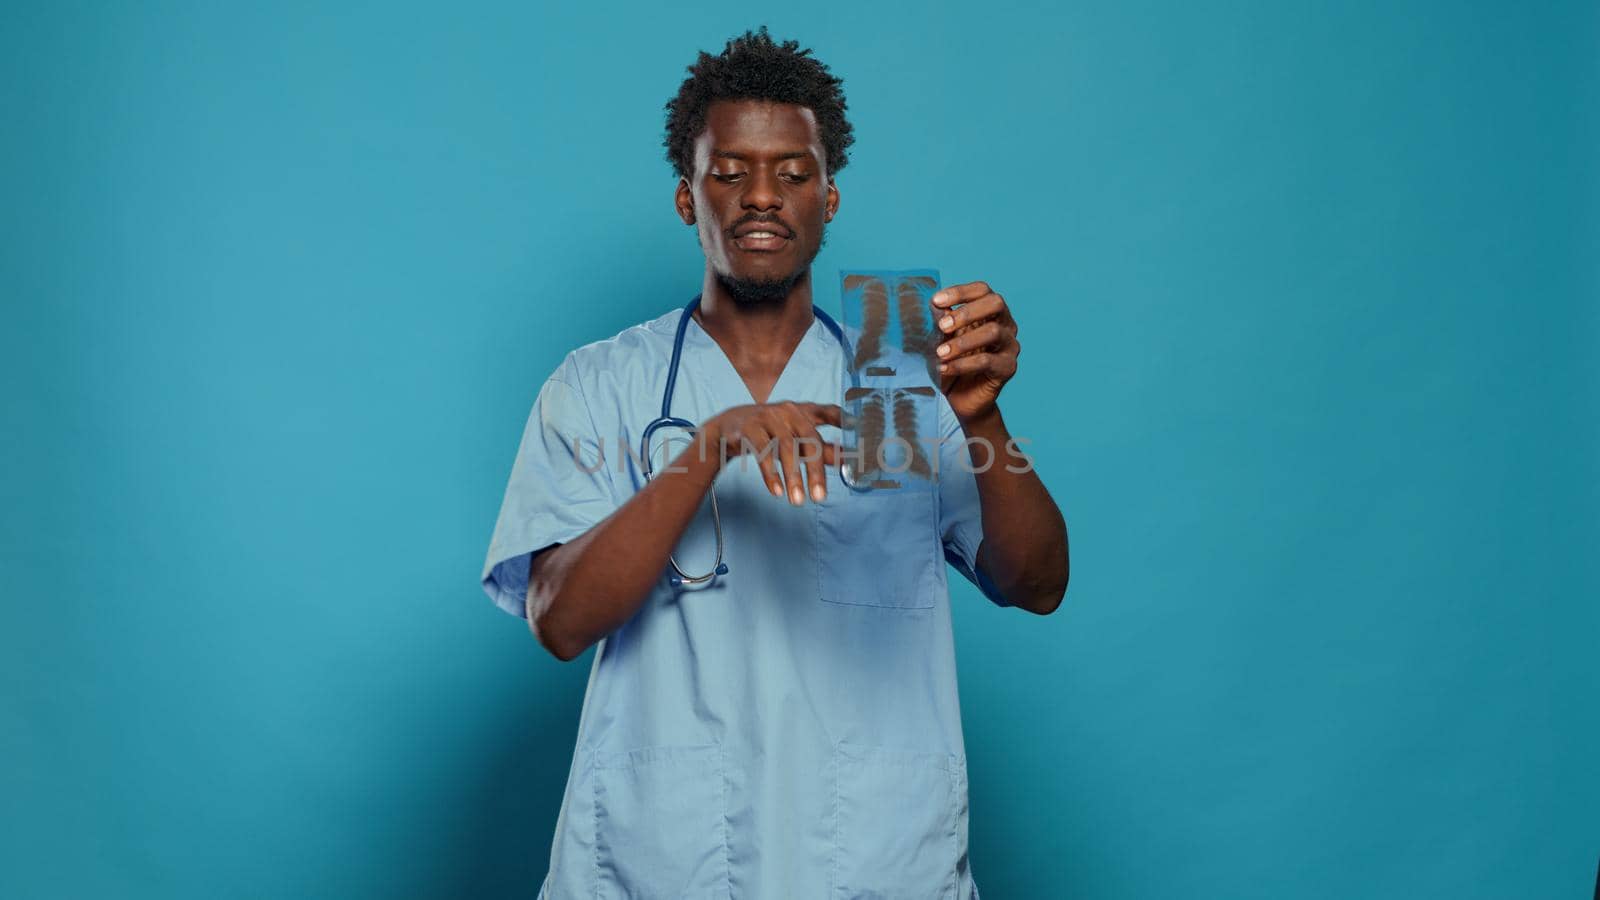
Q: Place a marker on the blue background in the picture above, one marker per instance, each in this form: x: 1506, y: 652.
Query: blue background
x: 1308, y: 293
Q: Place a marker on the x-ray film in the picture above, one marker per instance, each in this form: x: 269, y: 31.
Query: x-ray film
x: 891, y: 376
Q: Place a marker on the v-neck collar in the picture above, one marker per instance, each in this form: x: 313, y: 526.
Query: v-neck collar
x: 709, y: 347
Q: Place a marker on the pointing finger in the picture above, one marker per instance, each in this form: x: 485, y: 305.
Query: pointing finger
x: 826, y: 414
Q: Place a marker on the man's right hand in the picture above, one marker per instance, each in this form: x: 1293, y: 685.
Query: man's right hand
x: 783, y: 438
x: 584, y: 589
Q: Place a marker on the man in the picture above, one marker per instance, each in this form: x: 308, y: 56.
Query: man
x: 790, y: 727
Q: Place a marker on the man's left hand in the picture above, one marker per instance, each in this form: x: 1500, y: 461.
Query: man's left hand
x: 980, y: 348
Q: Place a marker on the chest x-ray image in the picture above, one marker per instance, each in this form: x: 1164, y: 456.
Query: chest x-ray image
x: 891, y: 378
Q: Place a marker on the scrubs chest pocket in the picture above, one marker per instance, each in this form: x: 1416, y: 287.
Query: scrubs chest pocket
x: 878, y: 547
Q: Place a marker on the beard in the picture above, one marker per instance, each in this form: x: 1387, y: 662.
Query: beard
x: 759, y: 291
x: 768, y: 291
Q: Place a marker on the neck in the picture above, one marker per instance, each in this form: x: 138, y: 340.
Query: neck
x: 759, y: 334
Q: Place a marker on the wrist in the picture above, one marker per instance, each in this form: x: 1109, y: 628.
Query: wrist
x: 708, y: 443
x: 984, y: 424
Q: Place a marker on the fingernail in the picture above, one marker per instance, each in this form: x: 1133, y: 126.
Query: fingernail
x: 777, y: 490
x: 943, y: 367
x: 818, y: 492
x: 796, y: 497
x: 947, y: 322
x: 937, y: 298
x: 944, y: 350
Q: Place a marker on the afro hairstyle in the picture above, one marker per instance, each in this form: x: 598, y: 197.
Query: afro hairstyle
x: 752, y: 67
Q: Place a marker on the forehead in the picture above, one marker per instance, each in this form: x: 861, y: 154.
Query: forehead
x: 758, y: 129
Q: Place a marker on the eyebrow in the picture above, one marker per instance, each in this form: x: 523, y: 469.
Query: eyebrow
x: 729, y: 154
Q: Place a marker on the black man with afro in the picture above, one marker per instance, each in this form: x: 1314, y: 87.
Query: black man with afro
x: 786, y: 725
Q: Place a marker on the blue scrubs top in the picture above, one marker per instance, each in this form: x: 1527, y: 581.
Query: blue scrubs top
x: 792, y: 730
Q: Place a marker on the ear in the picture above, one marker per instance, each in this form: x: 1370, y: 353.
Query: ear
x: 683, y: 201
x: 831, y: 205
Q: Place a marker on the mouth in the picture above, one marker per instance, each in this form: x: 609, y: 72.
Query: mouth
x: 760, y: 241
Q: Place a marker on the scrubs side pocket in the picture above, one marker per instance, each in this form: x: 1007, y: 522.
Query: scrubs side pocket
x: 877, y: 548
x: 661, y: 829
x: 899, y: 823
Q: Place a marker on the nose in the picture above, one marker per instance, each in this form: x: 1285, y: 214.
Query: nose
x: 762, y: 191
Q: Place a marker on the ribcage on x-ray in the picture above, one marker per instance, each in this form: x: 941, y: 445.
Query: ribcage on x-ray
x: 870, y: 429
x: 874, y: 317
x: 881, y: 407
x: 916, y: 337
x: 905, y: 428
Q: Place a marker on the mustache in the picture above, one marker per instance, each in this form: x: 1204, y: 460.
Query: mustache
x: 772, y: 223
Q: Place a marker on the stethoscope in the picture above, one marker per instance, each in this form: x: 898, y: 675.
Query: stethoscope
x: 667, y: 419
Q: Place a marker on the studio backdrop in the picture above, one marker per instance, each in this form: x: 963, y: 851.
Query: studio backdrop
x: 1308, y: 294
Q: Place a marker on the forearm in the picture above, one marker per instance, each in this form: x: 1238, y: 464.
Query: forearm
x: 1024, y: 550
x: 583, y: 590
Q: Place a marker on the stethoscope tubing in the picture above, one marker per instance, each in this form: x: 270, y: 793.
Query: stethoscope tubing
x: 668, y: 420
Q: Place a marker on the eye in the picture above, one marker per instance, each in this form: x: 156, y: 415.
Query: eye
x: 796, y: 177
x: 727, y: 178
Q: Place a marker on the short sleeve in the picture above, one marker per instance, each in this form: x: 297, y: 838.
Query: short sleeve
x: 960, y: 514
x: 559, y: 488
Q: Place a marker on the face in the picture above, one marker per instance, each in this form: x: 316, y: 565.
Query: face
x: 759, y: 195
